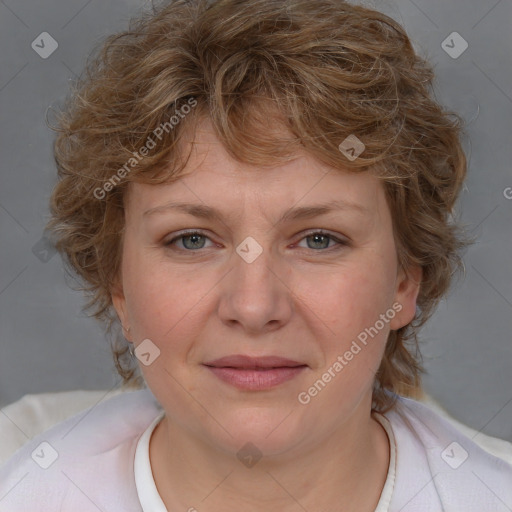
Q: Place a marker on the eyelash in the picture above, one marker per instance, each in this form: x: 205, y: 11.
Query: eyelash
x: 340, y: 243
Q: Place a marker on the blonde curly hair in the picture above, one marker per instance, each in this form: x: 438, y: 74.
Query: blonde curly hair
x: 327, y: 69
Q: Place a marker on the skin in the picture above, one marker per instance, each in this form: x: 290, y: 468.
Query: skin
x: 301, y: 298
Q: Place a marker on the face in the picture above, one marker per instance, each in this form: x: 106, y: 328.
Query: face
x: 267, y: 276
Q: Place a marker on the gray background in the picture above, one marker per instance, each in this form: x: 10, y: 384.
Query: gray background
x: 48, y: 344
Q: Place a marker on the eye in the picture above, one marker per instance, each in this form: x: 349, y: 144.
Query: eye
x: 320, y: 240
x: 192, y: 240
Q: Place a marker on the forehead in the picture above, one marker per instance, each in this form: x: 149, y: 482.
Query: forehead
x: 213, y: 178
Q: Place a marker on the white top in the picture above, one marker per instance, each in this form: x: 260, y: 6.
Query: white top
x: 146, y: 487
x: 389, y: 485
x: 99, y: 460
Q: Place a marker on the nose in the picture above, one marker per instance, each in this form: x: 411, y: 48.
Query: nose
x: 256, y: 294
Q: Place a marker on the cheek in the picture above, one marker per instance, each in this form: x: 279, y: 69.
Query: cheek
x: 352, y: 345
x: 349, y: 301
x: 164, y: 303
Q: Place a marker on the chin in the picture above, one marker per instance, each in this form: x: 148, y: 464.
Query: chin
x: 268, y: 431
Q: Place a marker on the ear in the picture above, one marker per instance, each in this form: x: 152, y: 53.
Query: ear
x: 407, y: 289
x: 119, y: 303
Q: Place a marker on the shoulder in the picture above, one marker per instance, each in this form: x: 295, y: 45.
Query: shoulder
x: 84, y: 462
x: 440, y: 468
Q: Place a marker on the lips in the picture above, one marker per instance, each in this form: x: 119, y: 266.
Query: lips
x: 255, y: 373
x: 242, y: 362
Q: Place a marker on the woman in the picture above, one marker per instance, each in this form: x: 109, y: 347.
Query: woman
x: 261, y: 194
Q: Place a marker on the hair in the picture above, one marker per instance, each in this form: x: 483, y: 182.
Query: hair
x: 322, y: 71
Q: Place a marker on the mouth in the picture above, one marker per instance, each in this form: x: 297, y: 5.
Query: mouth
x: 255, y: 373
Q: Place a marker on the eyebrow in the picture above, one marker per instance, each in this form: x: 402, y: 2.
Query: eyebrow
x: 298, y: 213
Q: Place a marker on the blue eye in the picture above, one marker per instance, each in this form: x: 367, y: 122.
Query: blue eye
x: 195, y: 240
x: 319, y: 238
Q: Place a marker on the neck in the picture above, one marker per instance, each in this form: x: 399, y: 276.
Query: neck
x: 345, y: 471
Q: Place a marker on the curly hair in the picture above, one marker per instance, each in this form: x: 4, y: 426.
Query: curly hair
x: 322, y: 70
